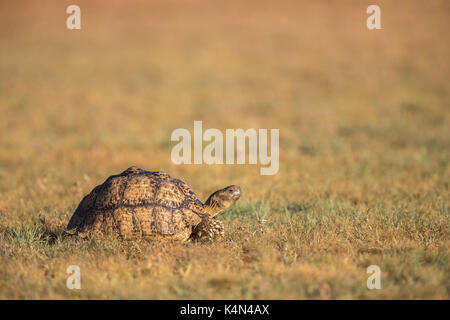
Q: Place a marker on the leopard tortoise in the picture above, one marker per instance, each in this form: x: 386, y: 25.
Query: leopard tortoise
x: 151, y: 205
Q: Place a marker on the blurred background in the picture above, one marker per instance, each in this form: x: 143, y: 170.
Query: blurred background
x: 348, y: 101
x: 363, y: 114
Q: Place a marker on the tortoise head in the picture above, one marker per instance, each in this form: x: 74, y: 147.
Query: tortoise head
x: 222, y: 199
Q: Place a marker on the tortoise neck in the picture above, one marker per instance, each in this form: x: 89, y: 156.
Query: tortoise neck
x: 212, y: 207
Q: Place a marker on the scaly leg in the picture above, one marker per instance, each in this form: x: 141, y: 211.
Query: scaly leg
x: 208, y: 230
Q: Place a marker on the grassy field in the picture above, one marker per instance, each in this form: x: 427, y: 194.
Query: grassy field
x: 364, y: 145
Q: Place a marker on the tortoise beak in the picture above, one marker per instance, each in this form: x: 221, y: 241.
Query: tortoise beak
x: 236, y: 193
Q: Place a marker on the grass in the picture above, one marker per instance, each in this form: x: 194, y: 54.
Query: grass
x: 364, y: 145
x: 297, y: 251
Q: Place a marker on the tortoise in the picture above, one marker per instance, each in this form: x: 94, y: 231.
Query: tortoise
x: 150, y: 205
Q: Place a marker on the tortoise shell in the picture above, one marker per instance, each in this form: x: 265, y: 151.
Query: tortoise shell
x: 138, y: 203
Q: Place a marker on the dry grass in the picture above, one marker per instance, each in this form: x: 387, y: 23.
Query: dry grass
x: 364, y: 144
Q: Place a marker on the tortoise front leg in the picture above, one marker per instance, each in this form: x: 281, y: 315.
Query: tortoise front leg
x: 208, y: 230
